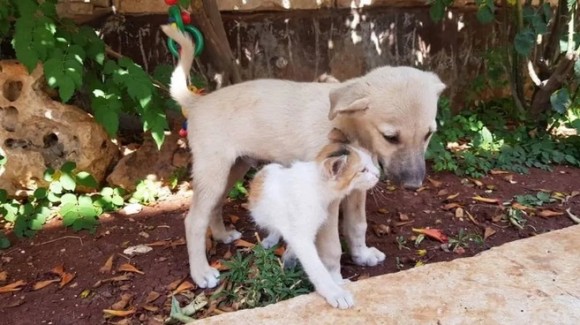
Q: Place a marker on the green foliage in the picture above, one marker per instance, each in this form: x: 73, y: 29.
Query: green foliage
x: 146, y: 192
x: 258, y: 279
x: 238, y: 191
x: 464, y: 238
x: 539, y: 199
x: 78, y: 211
x: 75, y: 60
x: 486, y: 138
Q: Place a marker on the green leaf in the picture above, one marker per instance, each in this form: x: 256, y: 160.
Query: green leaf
x: 4, y: 242
x: 107, y: 191
x: 571, y: 4
x: 66, y: 88
x: 68, y: 182
x: 3, y: 196
x: 163, y: 73
x: 40, y: 193
x: 55, y: 187
x: 68, y: 167
x: 560, y: 100
x: 48, y: 174
x: 524, y: 42
x: 25, y: 53
x: 106, y: 111
x: 485, y: 15
x: 52, y: 197
x: 69, y: 198
x: 86, y: 179
x: 118, y: 200
x: 437, y: 10
x: 85, y: 223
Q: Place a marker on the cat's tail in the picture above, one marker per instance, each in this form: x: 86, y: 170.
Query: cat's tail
x: 179, y: 89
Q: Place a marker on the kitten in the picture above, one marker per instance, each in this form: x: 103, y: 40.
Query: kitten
x: 294, y: 202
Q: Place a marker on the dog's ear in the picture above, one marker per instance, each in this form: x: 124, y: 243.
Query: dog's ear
x: 347, y: 99
x: 337, y: 136
x: 438, y: 85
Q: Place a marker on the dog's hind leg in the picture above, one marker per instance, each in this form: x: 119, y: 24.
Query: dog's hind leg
x: 218, y: 229
x: 210, y: 177
x: 355, y: 227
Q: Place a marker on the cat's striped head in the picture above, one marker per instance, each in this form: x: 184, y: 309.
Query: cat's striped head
x: 348, y: 167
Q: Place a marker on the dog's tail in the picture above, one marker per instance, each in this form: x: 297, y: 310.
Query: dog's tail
x: 179, y: 89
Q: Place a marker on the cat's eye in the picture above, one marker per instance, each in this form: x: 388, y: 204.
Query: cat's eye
x: 392, y: 139
x: 428, y: 135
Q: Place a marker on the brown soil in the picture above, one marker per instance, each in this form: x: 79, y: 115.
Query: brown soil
x: 82, y: 300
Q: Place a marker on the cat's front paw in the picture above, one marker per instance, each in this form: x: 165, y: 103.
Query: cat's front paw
x: 368, y: 256
x: 340, y: 299
x: 228, y: 236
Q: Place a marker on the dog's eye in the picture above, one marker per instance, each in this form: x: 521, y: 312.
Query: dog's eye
x: 428, y: 135
x: 392, y: 139
x: 364, y: 170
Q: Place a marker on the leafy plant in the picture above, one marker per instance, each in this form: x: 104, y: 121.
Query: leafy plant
x: 516, y: 218
x: 76, y: 61
x: 146, y: 192
x: 539, y: 199
x: 238, y: 191
x: 258, y: 279
x: 463, y: 239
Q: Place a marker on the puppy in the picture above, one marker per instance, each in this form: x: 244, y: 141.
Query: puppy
x: 390, y: 112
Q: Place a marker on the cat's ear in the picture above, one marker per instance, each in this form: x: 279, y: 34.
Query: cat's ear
x: 334, y: 166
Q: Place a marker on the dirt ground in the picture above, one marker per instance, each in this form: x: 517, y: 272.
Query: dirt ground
x: 392, y: 214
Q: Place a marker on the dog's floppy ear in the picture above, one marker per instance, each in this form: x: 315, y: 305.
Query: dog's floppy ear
x: 337, y: 136
x: 347, y: 99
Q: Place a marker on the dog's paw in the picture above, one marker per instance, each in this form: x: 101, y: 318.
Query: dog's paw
x: 369, y: 256
x: 340, y: 299
x: 205, y: 278
x: 228, y: 236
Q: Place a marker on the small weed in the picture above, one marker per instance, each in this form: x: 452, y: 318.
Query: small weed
x: 530, y: 200
x: 399, y: 264
x: 402, y: 243
x: 146, y: 192
x: 464, y: 238
x: 238, y: 191
x: 516, y: 218
x: 177, y: 176
x: 258, y: 279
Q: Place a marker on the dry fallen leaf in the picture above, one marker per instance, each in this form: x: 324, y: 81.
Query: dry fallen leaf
x: 66, y: 278
x: 228, y: 254
x: 451, y: 206
x: 3, y: 276
x: 280, y: 251
x: 497, y: 218
x: 421, y: 252
x: 443, y: 192
x: 452, y: 196
x: 574, y: 194
x: 485, y: 199
x: 174, y: 284
x: 432, y: 233
x: 381, y: 230
x: 151, y: 308
x: 403, y: 217
x: 152, y: 296
x: 14, y: 286
x: 421, y: 189
x: 184, y: 286
x: 234, y: 218
x: 402, y: 223
x: 488, y: 232
x: 382, y: 211
x: 108, y: 266
x: 129, y: 268
x: 472, y: 218
x: 363, y: 276
x: 218, y: 265
x: 459, y: 213
x: 58, y: 270
x: 477, y: 182
x: 549, y: 213
x: 435, y: 183
x: 519, y: 206
x: 121, y: 304
x: 118, y: 313
x: 510, y: 179
x: 498, y: 172
x: 243, y: 243
x: 43, y: 284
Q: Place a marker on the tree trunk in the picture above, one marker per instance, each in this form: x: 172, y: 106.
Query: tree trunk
x: 222, y: 68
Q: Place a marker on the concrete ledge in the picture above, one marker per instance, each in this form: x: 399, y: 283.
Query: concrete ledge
x: 533, y: 281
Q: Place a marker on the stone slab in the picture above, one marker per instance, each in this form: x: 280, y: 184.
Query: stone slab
x: 530, y: 281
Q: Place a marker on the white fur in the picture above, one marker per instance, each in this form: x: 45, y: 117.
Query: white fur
x: 295, y: 202
x: 284, y: 121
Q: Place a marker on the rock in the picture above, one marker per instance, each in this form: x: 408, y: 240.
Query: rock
x: 147, y: 162
x: 37, y: 132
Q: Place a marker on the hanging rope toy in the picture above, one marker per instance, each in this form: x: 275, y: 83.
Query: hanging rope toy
x: 182, y: 19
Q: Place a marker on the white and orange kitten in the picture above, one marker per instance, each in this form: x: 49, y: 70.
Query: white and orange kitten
x: 295, y: 202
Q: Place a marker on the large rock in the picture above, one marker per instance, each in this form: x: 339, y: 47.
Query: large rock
x: 37, y: 132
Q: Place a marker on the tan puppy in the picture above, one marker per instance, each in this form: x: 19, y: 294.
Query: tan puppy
x: 390, y: 112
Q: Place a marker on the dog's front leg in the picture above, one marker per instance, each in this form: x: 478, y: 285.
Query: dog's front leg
x: 354, y: 227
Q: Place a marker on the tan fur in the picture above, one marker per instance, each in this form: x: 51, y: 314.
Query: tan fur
x: 256, y: 188
x: 284, y: 121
